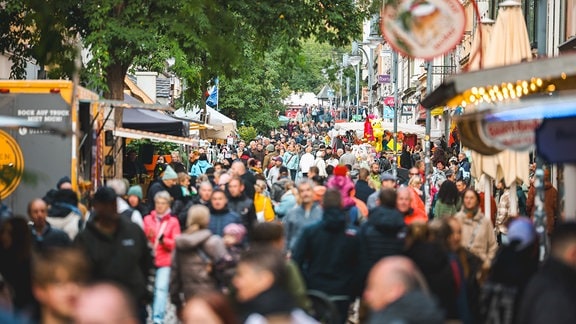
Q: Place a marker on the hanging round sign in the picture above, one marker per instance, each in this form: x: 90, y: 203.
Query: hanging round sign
x: 423, y: 29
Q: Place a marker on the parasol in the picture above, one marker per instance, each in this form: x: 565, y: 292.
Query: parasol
x: 508, y: 44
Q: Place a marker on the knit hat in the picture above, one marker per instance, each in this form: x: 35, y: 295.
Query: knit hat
x: 62, y: 181
x: 135, y: 191
x: 270, y: 148
x: 169, y: 174
x: 236, y: 230
x: 522, y: 230
x: 340, y: 170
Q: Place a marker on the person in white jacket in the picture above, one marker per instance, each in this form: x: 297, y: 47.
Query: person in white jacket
x: 320, y: 164
x: 306, y: 161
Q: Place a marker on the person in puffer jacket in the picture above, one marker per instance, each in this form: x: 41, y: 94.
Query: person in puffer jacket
x: 161, y: 229
x: 384, y: 233
x: 197, y: 251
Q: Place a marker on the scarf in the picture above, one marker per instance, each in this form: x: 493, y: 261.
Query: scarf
x: 470, y: 213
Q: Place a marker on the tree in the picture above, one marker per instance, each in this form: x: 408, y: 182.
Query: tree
x: 210, y: 34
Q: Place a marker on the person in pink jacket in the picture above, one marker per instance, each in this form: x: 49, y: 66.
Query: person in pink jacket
x: 161, y: 229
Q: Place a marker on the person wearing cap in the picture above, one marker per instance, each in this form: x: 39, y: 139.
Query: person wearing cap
x: 550, y: 295
x: 274, y: 172
x: 169, y: 180
x: 134, y: 196
x: 117, y: 249
x: 387, y: 181
x: 270, y: 155
x: 515, y: 263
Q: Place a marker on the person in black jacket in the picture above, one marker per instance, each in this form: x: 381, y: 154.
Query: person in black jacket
x: 328, y: 254
x: 117, y: 249
x: 384, y: 232
x: 363, y: 190
x: 240, y: 203
x: 239, y: 169
x: 551, y: 294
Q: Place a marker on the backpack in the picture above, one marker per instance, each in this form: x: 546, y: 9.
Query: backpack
x: 278, y: 190
x: 127, y: 214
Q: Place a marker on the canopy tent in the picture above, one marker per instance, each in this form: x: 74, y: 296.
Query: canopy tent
x: 221, y: 126
x: 153, y: 121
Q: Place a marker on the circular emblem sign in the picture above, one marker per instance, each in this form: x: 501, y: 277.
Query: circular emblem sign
x: 11, y: 164
x: 423, y: 28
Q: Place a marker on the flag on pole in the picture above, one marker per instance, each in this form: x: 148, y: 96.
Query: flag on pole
x: 212, y: 99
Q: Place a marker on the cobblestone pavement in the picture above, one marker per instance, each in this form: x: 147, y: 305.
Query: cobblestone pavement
x: 170, y: 316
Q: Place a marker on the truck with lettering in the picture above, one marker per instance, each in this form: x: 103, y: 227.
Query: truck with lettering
x: 32, y: 160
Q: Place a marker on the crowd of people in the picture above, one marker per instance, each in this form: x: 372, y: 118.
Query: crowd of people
x: 294, y: 227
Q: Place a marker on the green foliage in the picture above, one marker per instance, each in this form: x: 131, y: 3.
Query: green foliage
x: 207, y: 37
x: 159, y: 147
x: 247, y: 133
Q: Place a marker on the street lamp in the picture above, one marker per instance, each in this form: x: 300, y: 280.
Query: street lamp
x: 354, y: 59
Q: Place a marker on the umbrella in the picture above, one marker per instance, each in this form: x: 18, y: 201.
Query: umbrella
x: 510, y: 43
x: 477, y: 56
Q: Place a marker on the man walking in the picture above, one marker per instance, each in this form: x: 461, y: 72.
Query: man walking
x: 117, y: 249
x: 304, y: 214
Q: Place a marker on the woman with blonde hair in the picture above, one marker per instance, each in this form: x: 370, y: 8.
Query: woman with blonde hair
x: 161, y: 229
x: 197, y: 250
x: 263, y: 203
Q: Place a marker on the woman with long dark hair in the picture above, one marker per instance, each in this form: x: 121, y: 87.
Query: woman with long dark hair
x: 448, y: 202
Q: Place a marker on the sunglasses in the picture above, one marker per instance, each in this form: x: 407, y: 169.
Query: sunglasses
x: 414, y: 173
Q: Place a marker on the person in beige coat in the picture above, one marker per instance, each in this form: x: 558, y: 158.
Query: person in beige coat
x: 477, y: 232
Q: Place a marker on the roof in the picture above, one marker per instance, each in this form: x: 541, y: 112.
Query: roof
x: 324, y: 93
x: 136, y: 92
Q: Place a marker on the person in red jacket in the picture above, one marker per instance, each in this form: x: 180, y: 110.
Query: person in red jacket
x: 161, y: 229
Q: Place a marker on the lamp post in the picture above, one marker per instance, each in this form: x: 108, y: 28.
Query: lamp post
x: 354, y: 59
x: 373, y: 41
x: 395, y: 85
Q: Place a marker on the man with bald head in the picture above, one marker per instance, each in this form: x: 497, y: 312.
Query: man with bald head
x: 396, y: 292
x: 405, y: 203
x: 105, y: 304
x: 43, y: 233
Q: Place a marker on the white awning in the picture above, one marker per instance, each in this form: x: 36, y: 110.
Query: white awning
x: 136, y: 134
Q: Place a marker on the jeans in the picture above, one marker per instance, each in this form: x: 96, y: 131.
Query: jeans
x: 160, y: 294
x: 293, y: 174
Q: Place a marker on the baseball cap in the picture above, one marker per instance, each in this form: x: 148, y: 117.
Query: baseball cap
x: 278, y: 159
x: 387, y: 177
x: 522, y: 230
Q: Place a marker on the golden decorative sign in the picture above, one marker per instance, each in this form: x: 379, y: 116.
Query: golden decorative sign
x: 11, y: 164
x: 423, y: 28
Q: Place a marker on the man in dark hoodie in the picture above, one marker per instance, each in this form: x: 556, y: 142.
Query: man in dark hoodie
x: 328, y: 254
x: 384, y: 232
x: 396, y: 293
x: 117, y: 249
